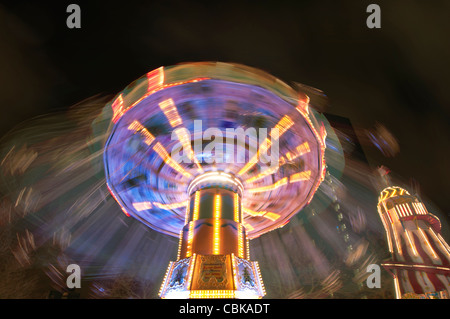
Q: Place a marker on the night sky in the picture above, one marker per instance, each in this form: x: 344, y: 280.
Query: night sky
x: 398, y: 75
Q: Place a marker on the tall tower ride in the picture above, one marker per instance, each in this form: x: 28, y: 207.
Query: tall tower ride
x: 165, y: 169
x: 420, y: 256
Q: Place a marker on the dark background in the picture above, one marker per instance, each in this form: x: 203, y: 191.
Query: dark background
x: 398, y: 75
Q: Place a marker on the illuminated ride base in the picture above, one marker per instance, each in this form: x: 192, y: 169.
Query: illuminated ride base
x: 420, y: 256
x: 213, y: 258
x: 213, y: 206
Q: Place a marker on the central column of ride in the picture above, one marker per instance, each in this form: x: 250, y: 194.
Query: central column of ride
x: 213, y: 256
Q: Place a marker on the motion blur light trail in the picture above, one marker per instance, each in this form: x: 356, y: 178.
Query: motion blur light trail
x: 140, y: 170
x: 56, y: 193
x: 226, y: 201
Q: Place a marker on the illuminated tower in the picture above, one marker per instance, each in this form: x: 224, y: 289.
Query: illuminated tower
x: 420, y: 256
x: 213, y: 256
x: 164, y: 168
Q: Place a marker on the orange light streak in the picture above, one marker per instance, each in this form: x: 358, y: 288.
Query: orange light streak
x: 240, y: 241
x: 236, y: 207
x: 136, y: 126
x: 262, y: 174
x: 196, y: 205
x: 211, y: 294
x: 171, y: 206
x: 170, y: 111
x: 271, y: 187
x: 282, y: 126
x: 411, y: 244
x: 268, y: 215
x: 299, y: 151
x: 161, y: 151
x: 190, y: 238
x: 118, y: 108
x: 142, y: 206
x: 428, y: 243
x: 155, y: 79
x: 185, y: 140
x: 216, y: 234
x: 301, y: 176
